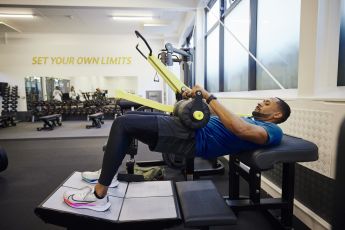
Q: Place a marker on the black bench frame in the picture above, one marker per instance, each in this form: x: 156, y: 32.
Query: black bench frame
x: 50, y: 122
x: 249, y: 166
x: 97, y: 120
x: 190, y: 173
x: 253, y: 177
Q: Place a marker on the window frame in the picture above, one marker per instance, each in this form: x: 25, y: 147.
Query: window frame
x: 253, y: 32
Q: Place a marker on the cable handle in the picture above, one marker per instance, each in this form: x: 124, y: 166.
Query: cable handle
x: 146, y: 43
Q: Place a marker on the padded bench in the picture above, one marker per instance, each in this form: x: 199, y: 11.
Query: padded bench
x: 50, y: 122
x: 249, y: 166
x: 97, y: 120
x: 202, y: 206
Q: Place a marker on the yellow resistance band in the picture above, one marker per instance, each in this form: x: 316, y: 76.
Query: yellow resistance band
x: 143, y: 101
x: 150, y: 103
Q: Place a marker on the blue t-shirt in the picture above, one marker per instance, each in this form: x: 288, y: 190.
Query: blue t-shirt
x: 216, y: 140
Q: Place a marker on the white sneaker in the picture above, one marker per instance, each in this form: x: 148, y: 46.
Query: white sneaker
x: 92, y: 178
x: 85, y: 198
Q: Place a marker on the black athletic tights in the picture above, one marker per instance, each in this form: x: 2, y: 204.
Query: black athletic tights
x: 140, y: 125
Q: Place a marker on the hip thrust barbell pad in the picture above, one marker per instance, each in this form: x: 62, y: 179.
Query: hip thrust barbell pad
x: 3, y: 159
x: 193, y: 113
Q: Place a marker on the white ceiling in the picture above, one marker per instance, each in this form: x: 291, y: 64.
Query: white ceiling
x: 94, y: 17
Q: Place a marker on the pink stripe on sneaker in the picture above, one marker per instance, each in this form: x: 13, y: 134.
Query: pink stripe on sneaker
x: 76, y: 205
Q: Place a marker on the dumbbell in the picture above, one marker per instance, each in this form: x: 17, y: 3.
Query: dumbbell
x: 193, y: 113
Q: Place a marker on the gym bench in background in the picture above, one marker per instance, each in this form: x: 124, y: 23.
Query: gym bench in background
x: 50, y: 122
x: 97, y: 120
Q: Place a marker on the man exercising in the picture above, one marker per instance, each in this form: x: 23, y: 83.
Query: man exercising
x: 225, y: 133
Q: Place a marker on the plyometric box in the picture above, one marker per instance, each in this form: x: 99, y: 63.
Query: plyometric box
x: 151, y: 204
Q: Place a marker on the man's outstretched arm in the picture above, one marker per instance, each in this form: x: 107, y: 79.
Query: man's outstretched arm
x: 233, y: 122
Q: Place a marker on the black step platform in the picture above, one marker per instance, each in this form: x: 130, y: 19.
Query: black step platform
x: 149, y: 205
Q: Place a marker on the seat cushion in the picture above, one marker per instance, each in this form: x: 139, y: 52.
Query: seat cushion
x: 291, y: 149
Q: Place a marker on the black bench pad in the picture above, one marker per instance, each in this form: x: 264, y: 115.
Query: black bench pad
x: 96, y: 115
x: 50, y: 117
x: 202, y: 205
x: 291, y: 149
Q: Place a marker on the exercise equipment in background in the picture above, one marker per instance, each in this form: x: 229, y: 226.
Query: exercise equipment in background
x: 50, y: 122
x: 193, y: 113
x: 3, y: 159
x: 133, y: 102
x: 73, y: 109
x: 97, y: 120
x: 9, y: 105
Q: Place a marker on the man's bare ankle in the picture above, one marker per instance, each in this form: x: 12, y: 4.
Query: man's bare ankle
x: 100, y: 191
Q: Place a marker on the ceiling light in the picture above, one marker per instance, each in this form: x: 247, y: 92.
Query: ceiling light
x: 16, y: 15
x: 154, y: 24
x: 132, y: 18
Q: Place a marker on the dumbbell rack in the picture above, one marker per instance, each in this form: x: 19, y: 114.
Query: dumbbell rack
x: 14, y: 99
x: 9, y: 106
x: 71, y: 110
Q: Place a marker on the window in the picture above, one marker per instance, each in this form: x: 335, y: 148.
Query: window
x: 33, y: 90
x: 213, y: 15
x: 212, y: 47
x: 212, y: 61
x: 269, y: 29
x: 235, y: 57
x: 278, y: 42
x: 52, y: 82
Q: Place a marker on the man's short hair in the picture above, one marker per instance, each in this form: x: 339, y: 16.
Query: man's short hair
x: 284, y: 108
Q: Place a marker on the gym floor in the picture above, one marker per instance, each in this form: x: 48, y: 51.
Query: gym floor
x: 38, y: 166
